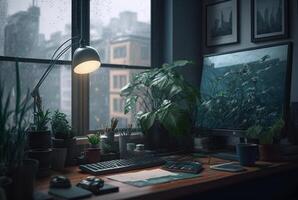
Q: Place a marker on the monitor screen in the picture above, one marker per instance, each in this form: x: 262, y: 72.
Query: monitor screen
x: 244, y: 88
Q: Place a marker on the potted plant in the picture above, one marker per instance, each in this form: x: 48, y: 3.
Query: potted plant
x: 93, y: 152
x: 168, y: 105
x: 63, y: 138
x: 39, y: 137
x: 107, y: 139
x: 17, y: 173
x: 39, y: 142
x: 268, y: 137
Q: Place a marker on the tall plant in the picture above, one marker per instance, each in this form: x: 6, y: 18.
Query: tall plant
x: 13, y: 125
x: 164, y: 96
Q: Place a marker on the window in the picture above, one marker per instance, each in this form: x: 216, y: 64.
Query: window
x: 105, y: 101
x: 32, y: 28
x: 144, y: 53
x: 119, y: 52
x: 55, y: 91
x: 120, y: 31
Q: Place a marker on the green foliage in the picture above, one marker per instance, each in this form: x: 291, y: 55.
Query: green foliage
x: 93, y: 139
x: 13, y: 125
x: 266, y: 135
x: 42, y: 120
x: 60, y: 125
x: 163, y: 96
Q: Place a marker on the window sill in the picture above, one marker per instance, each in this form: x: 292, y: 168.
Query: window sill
x: 83, y: 140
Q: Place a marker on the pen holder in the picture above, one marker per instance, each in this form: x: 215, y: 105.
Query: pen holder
x: 123, y: 139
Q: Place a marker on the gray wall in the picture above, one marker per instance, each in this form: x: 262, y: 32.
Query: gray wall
x: 245, y: 37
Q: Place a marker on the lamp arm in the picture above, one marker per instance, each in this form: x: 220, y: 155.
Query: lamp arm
x: 78, y: 36
x: 37, y: 102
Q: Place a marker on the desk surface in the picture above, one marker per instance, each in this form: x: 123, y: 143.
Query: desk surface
x: 209, y: 180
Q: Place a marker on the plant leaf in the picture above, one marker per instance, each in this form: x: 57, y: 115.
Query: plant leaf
x: 147, y: 120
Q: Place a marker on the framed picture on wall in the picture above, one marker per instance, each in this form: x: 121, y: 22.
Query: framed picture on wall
x: 222, y: 23
x: 269, y: 19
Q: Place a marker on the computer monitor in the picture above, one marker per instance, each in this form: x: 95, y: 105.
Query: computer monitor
x: 243, y: 88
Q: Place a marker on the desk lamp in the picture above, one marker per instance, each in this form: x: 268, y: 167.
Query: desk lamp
x: 85, y: 60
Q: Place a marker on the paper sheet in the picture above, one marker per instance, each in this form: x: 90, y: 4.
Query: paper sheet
x: 141, y: 175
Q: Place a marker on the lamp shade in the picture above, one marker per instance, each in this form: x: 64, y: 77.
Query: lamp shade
x: 85, y: 60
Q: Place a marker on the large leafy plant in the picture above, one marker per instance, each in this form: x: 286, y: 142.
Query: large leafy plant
x: 163, y: 96
x: 13, y: 125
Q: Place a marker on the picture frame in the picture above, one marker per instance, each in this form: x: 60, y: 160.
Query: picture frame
x: 269, y: 20
x: 221, y: 23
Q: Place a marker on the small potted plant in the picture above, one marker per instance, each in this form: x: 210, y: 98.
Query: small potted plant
x: 268, y: 137
x: 93, y: 152
x: 63, y: 136
x: 40, y: 143
x: 108, y: 143
x: 39, y: 136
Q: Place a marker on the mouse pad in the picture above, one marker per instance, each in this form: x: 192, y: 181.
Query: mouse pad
x: 70, y: 193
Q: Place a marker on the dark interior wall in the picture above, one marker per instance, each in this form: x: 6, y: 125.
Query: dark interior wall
x: 245, y: 37
x: 179, y: 35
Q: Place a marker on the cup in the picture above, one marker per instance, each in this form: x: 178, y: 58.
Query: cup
x: 247, y: 153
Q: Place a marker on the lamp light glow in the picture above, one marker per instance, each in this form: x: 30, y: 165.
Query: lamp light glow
x: 86, y: 60
x: 87, y: 67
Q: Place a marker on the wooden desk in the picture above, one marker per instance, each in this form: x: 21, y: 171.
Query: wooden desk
x: 210, y: 180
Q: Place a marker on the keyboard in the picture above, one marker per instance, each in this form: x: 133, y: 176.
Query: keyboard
x: 122, y: 165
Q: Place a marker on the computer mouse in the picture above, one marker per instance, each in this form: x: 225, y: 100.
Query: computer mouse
x: 60, y: 182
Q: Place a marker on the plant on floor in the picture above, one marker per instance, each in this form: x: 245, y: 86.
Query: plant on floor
x: 13, y: 125
x: 163, y: 96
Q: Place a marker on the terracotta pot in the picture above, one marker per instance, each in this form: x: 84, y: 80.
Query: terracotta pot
x: 93, y: 155
x: 39, y: 139
x: 269, y: 152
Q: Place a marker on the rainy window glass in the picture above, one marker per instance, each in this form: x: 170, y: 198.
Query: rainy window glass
x: 120, y: 31
x: 34, y: 28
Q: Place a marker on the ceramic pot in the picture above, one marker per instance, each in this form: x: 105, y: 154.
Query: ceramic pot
x: 23, y: 180
x: 44, y: 158
x: 58, y: 158
x: 6, y: 185
x: 69, y: 145
x: 247, y: 153
x: 93, y: 155
x: 158, y: 138
x: 39, y: 139
x: 270, y: 152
